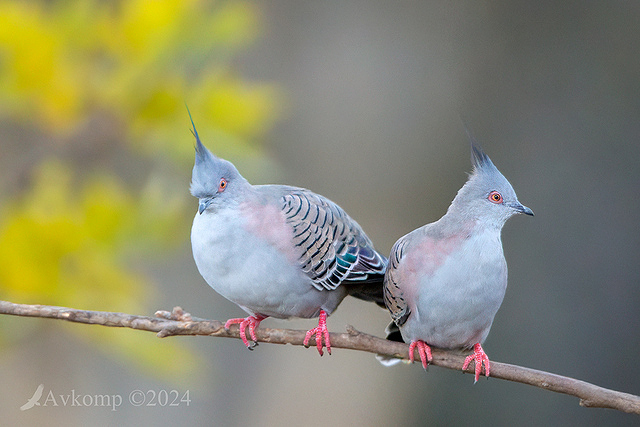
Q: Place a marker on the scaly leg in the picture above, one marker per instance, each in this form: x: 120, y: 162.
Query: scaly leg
x: 423, y: 350
x: 480, y: 357
x: 320, y: 331
x: 252, y: 322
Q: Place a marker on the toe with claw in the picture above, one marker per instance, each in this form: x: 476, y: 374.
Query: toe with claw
x: 320, y: 332
x: 480, y: 357
x: 252, y: 322
x: 423, y: 350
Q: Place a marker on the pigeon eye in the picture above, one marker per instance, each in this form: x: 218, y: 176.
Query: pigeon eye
x: 222, y: 185
x: 495, y: 197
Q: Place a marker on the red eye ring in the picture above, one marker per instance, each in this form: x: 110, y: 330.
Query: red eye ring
x: 495, y: 197
x: 222, y: 185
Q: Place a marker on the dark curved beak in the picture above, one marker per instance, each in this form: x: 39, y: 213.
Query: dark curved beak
x: 204, y: 204
x: 523, y: 209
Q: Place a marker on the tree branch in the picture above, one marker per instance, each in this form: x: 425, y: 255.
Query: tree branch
x: 165, y: 325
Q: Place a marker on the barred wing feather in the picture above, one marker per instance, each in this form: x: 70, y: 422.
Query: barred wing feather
x: 393, y: 297
x: 332, y: 246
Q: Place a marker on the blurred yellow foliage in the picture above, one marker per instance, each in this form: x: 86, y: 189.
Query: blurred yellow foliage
x: 54, y: 238
x: 63, y: 244
x: 73, y: 238
x: 137, y: 60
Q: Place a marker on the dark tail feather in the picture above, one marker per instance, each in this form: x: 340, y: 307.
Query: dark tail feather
x: 393, y: 334
x: 369, y: 290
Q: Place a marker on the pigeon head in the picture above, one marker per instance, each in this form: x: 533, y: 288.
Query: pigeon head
x: 213, y: 180
x: 487, y: 196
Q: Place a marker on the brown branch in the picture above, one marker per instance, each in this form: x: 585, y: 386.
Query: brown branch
x: 164, y: 325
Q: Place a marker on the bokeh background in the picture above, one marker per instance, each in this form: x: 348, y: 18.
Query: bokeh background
x: 360, y: 101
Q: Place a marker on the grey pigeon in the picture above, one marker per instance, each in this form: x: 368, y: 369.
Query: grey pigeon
x: 276, y: 250
x: 446, y: 280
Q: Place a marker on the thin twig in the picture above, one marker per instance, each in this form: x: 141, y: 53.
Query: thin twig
x: 164, y: 325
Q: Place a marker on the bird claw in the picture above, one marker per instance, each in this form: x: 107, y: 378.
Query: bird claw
x: 480, y: 357
x: 320, y: 332
x: 252, y: 322
x: 423, y: 350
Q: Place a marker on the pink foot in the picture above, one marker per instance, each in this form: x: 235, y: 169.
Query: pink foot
x: 320, y: 331
x: 423, y: 350
x: 252, y: 322
x: 480, y: 357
